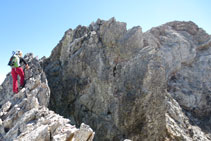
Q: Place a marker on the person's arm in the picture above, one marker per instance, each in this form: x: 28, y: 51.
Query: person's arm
x: 22, y: 60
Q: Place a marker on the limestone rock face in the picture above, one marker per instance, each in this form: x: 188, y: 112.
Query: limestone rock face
x: 25, y: 116
x: 127, y: 84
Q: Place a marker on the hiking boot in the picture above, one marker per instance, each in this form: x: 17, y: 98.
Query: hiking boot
x: 21, y: 87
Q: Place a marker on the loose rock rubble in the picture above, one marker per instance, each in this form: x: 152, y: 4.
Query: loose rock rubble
x: 25, y: 116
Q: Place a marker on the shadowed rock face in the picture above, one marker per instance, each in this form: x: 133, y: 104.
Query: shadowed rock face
x: 128, y: 84
x: 25, y: 116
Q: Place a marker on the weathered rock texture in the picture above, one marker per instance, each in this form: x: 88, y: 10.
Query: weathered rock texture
x: 151, y: 86
x: 25, y: 116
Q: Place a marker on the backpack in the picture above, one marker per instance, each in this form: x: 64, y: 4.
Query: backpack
x: 14, y: 61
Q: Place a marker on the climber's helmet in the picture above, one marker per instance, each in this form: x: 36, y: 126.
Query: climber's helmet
x: 19, y: 53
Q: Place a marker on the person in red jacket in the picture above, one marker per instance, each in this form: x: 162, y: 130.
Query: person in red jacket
x: 18, y: 70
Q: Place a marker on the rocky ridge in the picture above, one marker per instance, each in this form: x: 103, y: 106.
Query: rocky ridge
x: 25, y: 116
x: 129, y: 84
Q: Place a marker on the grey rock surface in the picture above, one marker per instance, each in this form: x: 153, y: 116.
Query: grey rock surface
x: 127, y: 84
x: 25, y: 116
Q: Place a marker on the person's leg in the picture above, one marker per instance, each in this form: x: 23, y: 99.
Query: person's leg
x: 21, y: 74
x: 15, y: 81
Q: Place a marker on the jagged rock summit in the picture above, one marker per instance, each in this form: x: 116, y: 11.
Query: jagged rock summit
x: 124, y: 84
x: 151, y: 86
x: 25, y: 116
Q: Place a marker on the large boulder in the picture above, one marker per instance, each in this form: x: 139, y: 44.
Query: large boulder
x: 129, y: 84
x: 25, y: 116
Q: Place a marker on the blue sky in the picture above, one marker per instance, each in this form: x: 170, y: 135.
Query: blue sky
x: 37, y: 25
